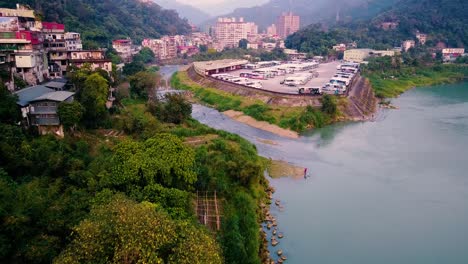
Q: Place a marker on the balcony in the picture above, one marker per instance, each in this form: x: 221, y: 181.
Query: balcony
x: 43, y: 110
x: 45, y: 121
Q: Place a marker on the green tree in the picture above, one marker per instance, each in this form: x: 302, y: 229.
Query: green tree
x: 143, y: 83
x: 133, y: 67
x: 70, y: 114
x: 163, y: 159
x: 174, y: 109
x: 146, y: 55
x: 93, y: 97
x: 123, y: 231
x: 329, y: 105
x: 9, y: 112
x: 243, y: 43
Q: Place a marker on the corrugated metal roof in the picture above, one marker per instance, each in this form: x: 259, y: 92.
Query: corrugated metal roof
x: 55, y: 85
x: 58, y: 96
x: 28, y: 94
x: 218, y: 64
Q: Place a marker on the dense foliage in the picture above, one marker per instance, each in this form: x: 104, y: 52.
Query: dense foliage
x: 120, y: 230
x: 95, y: 198
x: 100, y: 22
x: 173, y: 108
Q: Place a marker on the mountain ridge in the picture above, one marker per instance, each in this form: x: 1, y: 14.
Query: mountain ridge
x: 192, y: 14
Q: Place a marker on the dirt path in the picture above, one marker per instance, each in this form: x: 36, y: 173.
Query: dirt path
x: 240, y: 117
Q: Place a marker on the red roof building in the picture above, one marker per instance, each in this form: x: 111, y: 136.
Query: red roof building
x: 53, y: 27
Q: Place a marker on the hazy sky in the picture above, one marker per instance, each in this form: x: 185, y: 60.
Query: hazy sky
x: 219, y: 7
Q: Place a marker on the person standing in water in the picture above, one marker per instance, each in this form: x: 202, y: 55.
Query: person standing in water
x: 305, y: 173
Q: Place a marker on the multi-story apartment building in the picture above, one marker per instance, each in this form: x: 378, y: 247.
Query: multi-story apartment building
x: 125, y: 49
x: 229, y: 31
x: 287, y: 24
x: 166, y: 47
x: 359, y: 55
x: 201, y: 39
x: 73, y: 41
x: 21, y: 45
x: 96, y: 58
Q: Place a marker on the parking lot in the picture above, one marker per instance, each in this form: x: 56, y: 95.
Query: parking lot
x: 325, y: 70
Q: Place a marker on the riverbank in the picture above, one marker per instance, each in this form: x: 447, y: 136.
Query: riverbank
x: 294, y: 116
x: 392, y: 83
x: 241, y: 117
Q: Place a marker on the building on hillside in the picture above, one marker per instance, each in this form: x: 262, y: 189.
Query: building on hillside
x: 339, y: 47
x: 388, y: 25
x: 287, y: 24
x: 73, y: 41
x: 294, y: 54
x: 218, y: 66
x: 359, y: 55
x: 125, y: 49
x: 164, y: 48
x: 188, y: 50
x: 95, y: 58
x: 422, y: 38
x: 229, y: 31
x: 201, y: 39
x: 382, y: 53
x: 407, y: 44
x: 39, y: 106
x: 55, y: 45
x: 351, y: 45
x: 21, y: 45
x: 451, y: 54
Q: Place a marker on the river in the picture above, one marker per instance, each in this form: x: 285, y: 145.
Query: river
x: 390, y: 191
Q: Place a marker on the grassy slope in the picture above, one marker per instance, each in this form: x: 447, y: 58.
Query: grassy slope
x: 294, y: 118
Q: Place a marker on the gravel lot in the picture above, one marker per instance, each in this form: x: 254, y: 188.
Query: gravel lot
x: 325, y: 70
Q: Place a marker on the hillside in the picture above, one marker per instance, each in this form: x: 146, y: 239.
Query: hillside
x: 101, y: 21
x: 192, y: 14
x: 443, y: 20
x: 320, y: 11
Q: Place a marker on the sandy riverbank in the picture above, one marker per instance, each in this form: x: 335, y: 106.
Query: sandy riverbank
x: 241, y: 117
x: 279, y: 168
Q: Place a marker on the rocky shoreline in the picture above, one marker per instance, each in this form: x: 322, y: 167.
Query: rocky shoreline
x: 269, y: 228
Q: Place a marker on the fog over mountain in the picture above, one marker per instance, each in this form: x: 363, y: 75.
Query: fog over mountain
x: 219, y: 7
x: 311, y: 11
x: 190, y: 12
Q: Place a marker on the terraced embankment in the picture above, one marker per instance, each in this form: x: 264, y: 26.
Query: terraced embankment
x: 362, y: 102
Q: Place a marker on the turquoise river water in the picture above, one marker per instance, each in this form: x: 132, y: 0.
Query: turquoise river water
x: 390, y: 191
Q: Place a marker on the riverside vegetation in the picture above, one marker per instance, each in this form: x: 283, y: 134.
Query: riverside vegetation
x: 390, y: 77
x: 294, y: 118
x: 99, y: 196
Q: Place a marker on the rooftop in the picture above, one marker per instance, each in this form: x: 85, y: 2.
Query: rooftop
x: 218, y: 64
x: 58, y: 96
x: 53, y: 26
x: 55, y: 84
x: 28, y: 94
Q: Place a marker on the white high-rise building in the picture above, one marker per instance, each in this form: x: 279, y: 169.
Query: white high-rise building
x: 229, y: 31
